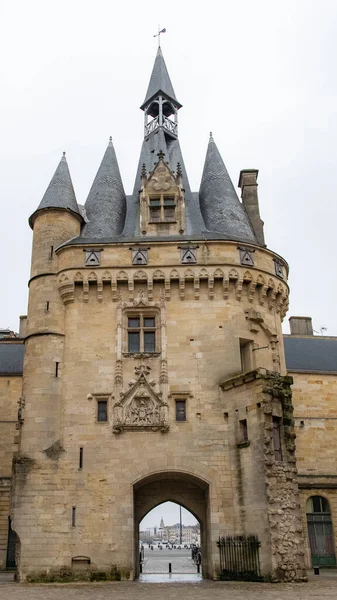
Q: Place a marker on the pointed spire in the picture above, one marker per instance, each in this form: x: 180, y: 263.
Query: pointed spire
x: 219, y: 203
x: 106, y: 202
x: 160, y: 81
x: 60, y: 192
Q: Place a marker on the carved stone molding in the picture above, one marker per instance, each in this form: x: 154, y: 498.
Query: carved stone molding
x: 258, y: 287
x: 140, y: 408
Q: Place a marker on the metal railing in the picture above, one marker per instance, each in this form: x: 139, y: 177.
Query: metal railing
x: 239, y: 557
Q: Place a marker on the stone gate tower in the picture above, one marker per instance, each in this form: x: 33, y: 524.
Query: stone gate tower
x: 154, y: 364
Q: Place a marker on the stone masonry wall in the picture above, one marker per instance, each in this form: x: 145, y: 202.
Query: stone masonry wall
x: 10, y: 392
x: 315, y: 416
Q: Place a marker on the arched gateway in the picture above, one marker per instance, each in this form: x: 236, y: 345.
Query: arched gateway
x: 187, y: 490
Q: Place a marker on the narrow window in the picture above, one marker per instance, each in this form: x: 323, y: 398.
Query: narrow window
x: 245, y: 355
x: 57, y: 369
x: 155, y: 210
x: 244, y: 430
x: 51, y: 252
x: 134, y: 334
x: 169, y: 209
x: 149, y: 329
x: 277, y: 438
x: 81, y: 459
x: 180, y: 410
x: 47, y: 305
x: 73, y: 516
x: 102, y: 410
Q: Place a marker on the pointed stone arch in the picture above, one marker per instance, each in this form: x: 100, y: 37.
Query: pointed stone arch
x: 174, y: 274
x: 247, y: 276
x: 92, y: 276
x: 140, y: 276
x: 203, y: 274
x: 233, y: 275
x: 78, y: 277
x: 106, y: 276
x: 158, y: 274
x: 122, y: 276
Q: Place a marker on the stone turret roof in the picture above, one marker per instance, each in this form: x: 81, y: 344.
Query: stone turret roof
x: 106, y: 203
x: 59, y: 193
x: 160, y: 81
x: 220, y: 206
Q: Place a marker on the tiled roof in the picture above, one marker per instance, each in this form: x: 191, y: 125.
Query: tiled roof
x: 60, y: 192
x: 11, y: 358
x: 106, y: 203
x: 220, y: 206
x: 311, y: 353
x: 159, y: 81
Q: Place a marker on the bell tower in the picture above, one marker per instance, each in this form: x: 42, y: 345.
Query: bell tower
x: 160, y: 105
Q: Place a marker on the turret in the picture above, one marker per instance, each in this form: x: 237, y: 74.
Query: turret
x: 56, y: 220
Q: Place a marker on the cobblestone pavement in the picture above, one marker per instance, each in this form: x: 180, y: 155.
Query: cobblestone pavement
x: 322, y: 587
x: 157, y: 561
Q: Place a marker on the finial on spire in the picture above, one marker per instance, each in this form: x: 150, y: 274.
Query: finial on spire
x: 110, y: 139
x: 158, y: 34
x: 210, y: 135
x: 161, y: 155
x: 64, y: 153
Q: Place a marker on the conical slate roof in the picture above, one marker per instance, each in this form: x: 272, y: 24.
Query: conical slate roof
x: 60, y: 192
x: 220, y: 206
x: 160, y: 81
x: 106, y: 203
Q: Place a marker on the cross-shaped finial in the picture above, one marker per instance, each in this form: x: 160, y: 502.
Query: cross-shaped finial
x: 161, y: 155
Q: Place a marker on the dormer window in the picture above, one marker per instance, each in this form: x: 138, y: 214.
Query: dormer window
x: 162, y: 209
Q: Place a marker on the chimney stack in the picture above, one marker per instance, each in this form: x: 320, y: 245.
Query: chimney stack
x: 248, y: 184
x: 301, y: 326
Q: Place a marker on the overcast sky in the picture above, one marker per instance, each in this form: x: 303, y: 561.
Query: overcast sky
x: 170, y: 513
x: 261, y: 75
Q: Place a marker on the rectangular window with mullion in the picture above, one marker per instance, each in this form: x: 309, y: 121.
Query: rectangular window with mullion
x: 141, y: 333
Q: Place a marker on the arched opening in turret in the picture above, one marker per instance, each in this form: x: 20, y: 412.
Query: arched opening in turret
x: 168, y: 491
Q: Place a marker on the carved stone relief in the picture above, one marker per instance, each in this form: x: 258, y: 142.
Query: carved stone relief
x: 140, y: 408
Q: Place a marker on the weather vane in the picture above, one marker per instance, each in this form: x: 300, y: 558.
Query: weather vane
x: 158, y: 34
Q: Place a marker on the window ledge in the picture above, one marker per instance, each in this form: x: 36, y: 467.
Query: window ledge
x: 141, y: 354
x: 244, y: 444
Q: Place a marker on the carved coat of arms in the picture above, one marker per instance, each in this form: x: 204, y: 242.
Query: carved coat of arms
x: 140, y: 408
